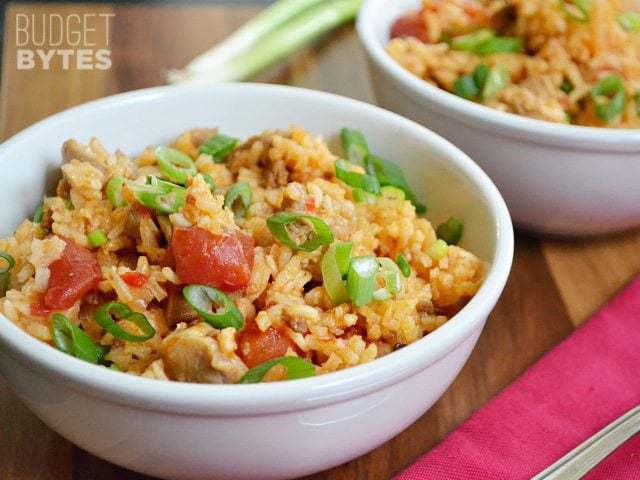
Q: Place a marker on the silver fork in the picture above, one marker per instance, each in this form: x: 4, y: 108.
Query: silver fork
x: 584, y: 457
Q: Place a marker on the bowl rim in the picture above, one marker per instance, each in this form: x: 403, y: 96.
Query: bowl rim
x: 199, y: 399
x: 481, y: 116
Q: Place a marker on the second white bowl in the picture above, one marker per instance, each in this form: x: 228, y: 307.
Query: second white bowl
x: 558, y: 179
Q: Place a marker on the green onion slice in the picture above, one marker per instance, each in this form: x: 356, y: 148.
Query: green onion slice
x: 72, y: 340
x: 361, y: 279
x: 208, y: 179
x: 368, y: 183
x: 450, y: 231
x: 219, y: 147
x: 239, y: 198
x: 104, y: 317
x: 296, y: 368
x: 391, y: 274
x: 381, y: 294
x: 334, y: 267
x: 354, y: 145
x: 388, y: 173
x: 392, y: 193
x: 577, y: 10
x: 465, y: 87
x: 175, y: 165
x: 500, y: 45
x: 5, y: 271
x: 438, y: 250
x: 566, y: 86
x: 164, y: 197
x: 609, y: 97
x: 480, y: 74
x: 280, y: 224
x: 114, y: 191
x: 214, y: 306
x: 472, y: 40
x: 497, y: 79
x: 360, y: 196
x: 630, y: 21
x: 38, y: 216
x: 97, y: 238
x: 403, y: 264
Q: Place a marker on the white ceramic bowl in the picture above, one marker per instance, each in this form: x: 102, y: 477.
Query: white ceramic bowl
x: 558, y: 179
x: 264, y: 431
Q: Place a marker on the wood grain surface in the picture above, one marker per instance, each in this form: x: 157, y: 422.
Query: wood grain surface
x: 554, y: 286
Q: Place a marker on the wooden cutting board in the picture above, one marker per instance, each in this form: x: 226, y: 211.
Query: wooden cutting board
x: 554, y: 286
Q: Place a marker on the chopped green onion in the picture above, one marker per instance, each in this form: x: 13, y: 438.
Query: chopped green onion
x: 214, y: 306
x: 368, y: 183
x: 389, y: 173
x: 175, y: 165
x: 219, y: 147
x: 354, y: 145
x: 403, y: 264
x: 165, y: 197
x: 72, y: 340
x: 296, y: 367
x: 360, y: 196
x: 392, y: 193
x: 238, y: 199
x: 208, y: 179
x: 471, y: 41
x: 114, y: 191
x: 450, y: 231
x: 334, y: 266
x: 38, y: 216
x: 438, y: 250
x: 97, y: 238
x: 68, y: 204
x: 500, y: 45
x: 104, y: 317
x: 391, y: 274
x: 381, y: 294
x: 480, y: 74
x: 361, y: 279
x: 609, y: 97
x: 577, y: 10
x: 278, y: 225
x: 630, y: 21
x: 5, y: 272
x: 566, y: 86
x: 465, y: 87
x: 497, y: 79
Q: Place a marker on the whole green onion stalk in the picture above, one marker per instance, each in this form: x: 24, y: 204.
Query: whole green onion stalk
x: 275, y: 33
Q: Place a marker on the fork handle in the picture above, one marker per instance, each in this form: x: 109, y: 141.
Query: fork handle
x: 588, y: 454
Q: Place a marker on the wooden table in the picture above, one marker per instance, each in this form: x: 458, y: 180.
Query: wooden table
x: 554, y: 286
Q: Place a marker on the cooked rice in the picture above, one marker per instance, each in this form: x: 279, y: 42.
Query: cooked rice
x: 557, y: 49
x: 288, y: 171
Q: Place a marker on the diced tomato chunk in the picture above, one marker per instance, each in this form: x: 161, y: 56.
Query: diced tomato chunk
x: 256, y: 346
x: 142, y: 210
x: 135, y: 279
x: 201, y: 257
x: 410, y: 25
x: 72, y: 276
x: 310, y: 204
x: 38, y: 309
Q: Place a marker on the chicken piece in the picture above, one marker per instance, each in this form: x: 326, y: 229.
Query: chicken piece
x: 193, y: 354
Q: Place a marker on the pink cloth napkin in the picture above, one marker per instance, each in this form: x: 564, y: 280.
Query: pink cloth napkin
x: 577, y: 388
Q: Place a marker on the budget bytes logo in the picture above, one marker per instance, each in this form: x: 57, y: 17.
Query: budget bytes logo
x: 71, y: 41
